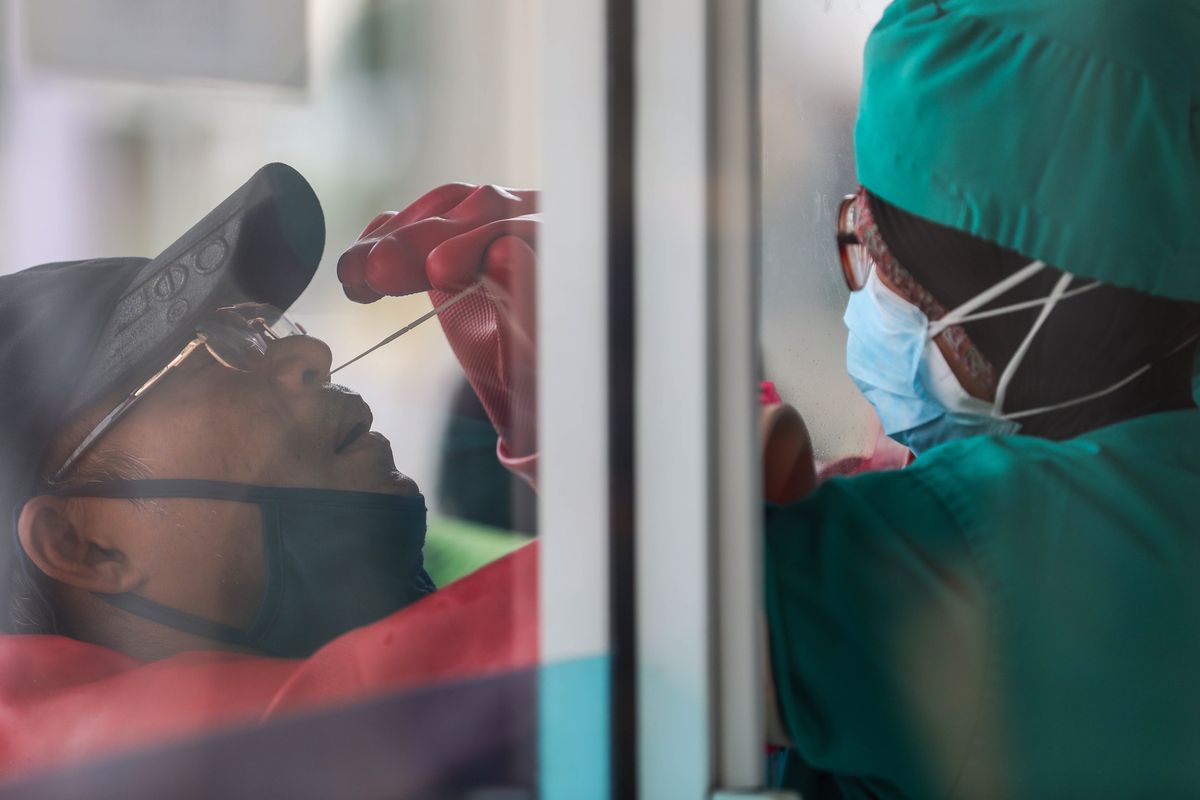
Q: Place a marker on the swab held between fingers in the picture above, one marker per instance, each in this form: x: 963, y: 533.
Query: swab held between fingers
x: 424, y: 317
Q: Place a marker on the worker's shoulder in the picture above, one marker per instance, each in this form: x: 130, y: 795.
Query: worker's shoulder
x: 1008, y: 482
x: 1151, y: 458
x: 1163, y: 440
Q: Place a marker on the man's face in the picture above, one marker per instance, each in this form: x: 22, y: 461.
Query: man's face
x: 284, y: 426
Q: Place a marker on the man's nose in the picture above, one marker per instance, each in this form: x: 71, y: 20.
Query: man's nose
x: 300, y: 363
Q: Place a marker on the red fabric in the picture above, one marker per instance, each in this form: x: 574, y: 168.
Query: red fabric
x: 62, y: 700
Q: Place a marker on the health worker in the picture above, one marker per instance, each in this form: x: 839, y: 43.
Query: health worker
x: 1014, y: 614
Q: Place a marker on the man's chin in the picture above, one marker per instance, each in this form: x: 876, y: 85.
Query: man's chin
x: 371, y: 460
x: 402, y: 484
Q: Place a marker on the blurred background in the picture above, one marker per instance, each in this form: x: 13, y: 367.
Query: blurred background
x: 122, y: 122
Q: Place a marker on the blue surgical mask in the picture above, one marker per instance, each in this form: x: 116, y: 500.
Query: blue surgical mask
x: 888, y: 357
x: 335, y: 560
x: 892, y: 358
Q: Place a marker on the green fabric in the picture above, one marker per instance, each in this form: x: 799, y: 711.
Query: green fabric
x: 1063, y: 129
x: 454, y: 548
x: 1007, y: 617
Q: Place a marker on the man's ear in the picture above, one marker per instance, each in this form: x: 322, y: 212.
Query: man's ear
x: 60, y: 547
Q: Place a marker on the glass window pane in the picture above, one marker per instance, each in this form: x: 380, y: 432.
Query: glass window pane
x: 269, y: 625
x: 811, y: 70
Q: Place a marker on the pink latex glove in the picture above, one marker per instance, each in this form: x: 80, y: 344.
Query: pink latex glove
x: 446, y: 240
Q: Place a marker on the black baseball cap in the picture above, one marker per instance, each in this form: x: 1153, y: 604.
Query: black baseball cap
x: 70, y: 332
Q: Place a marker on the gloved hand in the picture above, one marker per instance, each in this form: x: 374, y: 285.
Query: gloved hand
x: 445, y: 241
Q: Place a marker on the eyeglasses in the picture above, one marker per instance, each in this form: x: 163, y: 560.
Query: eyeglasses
x: 856, y: 259
x: 235, y: 336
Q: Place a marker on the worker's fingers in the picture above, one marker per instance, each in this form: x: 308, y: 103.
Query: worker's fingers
x: 389, y: 257
x: 396, y: 263
x: 511, y: 265
x: 360, y: 293
x: 434, y: 203
x: 352, y: 272
x: 458, y: 262
x: 488, y: 203
x: 461, y: 202
x: 479, y: 206
x: 352, y: 265
x: 381, y: 218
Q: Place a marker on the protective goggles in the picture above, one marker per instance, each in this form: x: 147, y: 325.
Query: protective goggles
x: 236, y: 337
x: 856, y: 259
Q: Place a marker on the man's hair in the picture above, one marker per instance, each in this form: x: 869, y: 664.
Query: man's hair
x: 30, y: 605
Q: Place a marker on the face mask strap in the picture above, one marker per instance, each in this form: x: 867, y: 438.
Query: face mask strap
x: 1103, y: 392
x: 168, y: 488
x: 1015, y: 362
x: 939, y: 326
x: 987, y: 296
x: 127, y: 601
x: 159, y: 488
x: 173, y: 618
x: 402, y: 515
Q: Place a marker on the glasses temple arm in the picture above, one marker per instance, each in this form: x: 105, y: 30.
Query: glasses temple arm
x: 111, y: 417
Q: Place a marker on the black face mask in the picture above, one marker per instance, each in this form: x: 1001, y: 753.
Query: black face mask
x: 335, y: 561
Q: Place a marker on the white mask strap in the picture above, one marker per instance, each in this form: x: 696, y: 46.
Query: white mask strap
x: 988, y: 295
x: 937, y: 327
x: 1060, y: 289
x: 1097, y: 395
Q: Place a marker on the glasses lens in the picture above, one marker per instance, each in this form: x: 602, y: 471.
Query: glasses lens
x: 266, y: 319
x: 856, y: 260
x: 237, y: 336
x: 232, y: 341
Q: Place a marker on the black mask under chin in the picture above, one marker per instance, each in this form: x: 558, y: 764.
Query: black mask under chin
x: 335, y: 560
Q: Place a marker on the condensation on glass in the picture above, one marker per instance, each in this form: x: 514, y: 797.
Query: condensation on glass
x: 811, y: 72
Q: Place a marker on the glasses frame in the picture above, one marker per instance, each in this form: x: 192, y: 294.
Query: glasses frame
x: 857, y: 262
x: 257, y: 325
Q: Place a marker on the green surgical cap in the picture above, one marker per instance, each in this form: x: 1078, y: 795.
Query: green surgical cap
x: 1066, y: 130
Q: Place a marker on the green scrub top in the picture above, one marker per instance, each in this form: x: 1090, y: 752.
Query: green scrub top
x: 1008, y: 617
